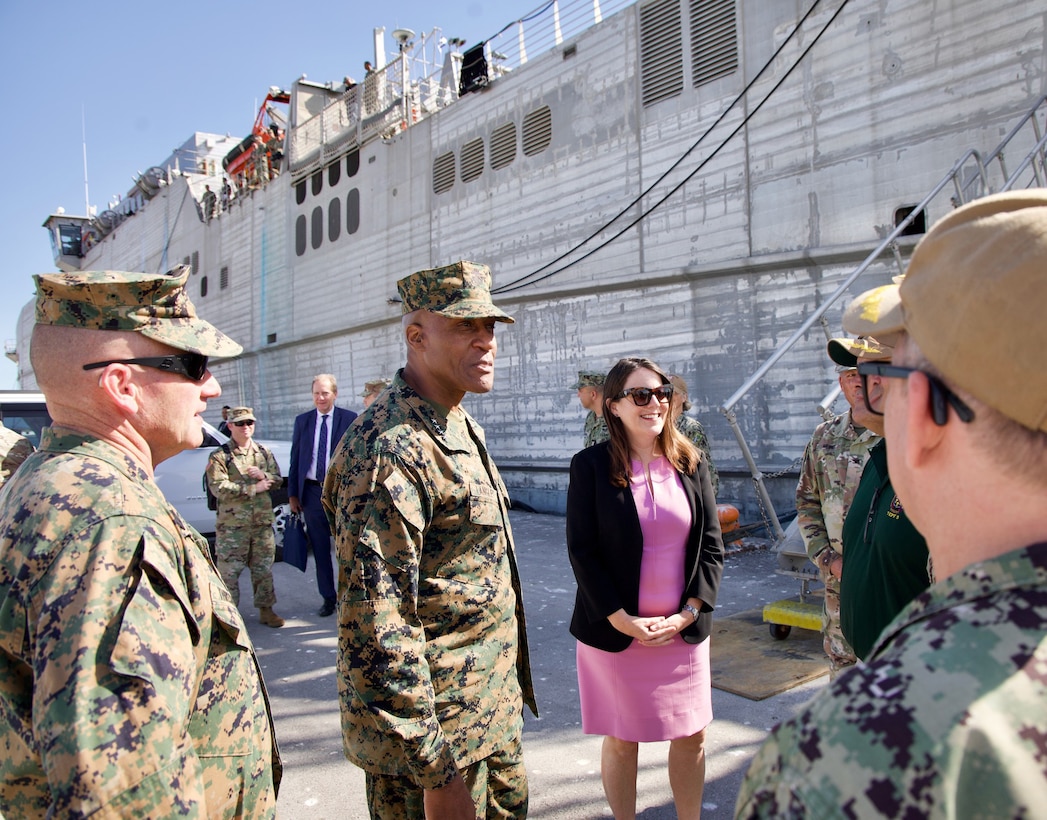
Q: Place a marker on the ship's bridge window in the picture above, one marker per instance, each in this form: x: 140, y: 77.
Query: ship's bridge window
x: 318, y: 182
x: 443, y: 173
x: 334, y: 219
x: 503, y: 145
x: 537, y: 130
x: 714, y: 40
x: 472, y: 160
x: 352, y: 211
x: 661, y: 51
x: 334, y: 173
x: 352, y: 162
x: 300, y: 225
x: 317, y: 228
x: 69, y: 237
x: 299, y: 192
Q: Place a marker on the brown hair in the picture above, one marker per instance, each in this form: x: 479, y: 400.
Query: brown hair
x: 680, y: 451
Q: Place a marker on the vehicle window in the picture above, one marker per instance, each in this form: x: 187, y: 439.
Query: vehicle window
x: 27, y: 420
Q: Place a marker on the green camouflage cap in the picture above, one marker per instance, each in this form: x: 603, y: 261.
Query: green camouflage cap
x: 458, y: 291
x: 241, y: 414
x: 589, y: 378
x: 153, y: 304
x: 375, y: 386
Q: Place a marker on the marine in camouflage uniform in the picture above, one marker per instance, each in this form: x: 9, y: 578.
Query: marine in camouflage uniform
x: 829, y: 475
x: 14, y: 449
x: 590, y: 393
x: 128, y: 684
x: 237, y: 475
x: 433, y: 667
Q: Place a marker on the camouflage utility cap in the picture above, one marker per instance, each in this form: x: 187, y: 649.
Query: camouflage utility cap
x: 153, y: 304
x: 241, y: 414
x: 588, y: 378
x: 375, y: 386
x: 846, y: 352
x: 973, y: 298
x: 458, y: 291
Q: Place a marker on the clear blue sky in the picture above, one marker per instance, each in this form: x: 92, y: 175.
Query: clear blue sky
x: 144, y: 76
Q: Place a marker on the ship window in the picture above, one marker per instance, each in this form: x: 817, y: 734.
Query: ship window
x: 188, y: 263
x: 317, y: 227
x: 352, y: 211
x: 661, y: 51
x: 537, y: 131
x: 503, y: 145
x: 194, y: 266
x: 334, y: 218
x: 299, y: 235
x: 318, y: 182
x: 915, y: 228
x: 70, y: 239
x: 352, y: 163
x: 443, y: 173
x: 223, y: 277
x: 203, y: 286
x: 334, y: 173
x: 714, y: 45
x: 299, y: 192
x: 472, y: 160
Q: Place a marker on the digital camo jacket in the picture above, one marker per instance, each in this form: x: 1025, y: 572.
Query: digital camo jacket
x: 692, y: 428
x: 238, y: 504
x: 128, y: 684
x: 829, y: 475
x: 595, y: 430
x: 432, y: 666
x: 946, y: 719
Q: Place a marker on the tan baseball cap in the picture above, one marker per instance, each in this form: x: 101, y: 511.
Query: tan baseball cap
x: 375, y: 386
x: 846, y: 352
x: 241, y: 414
x: 153, y: 304
x: 460, y: 291
x: 973, y: 298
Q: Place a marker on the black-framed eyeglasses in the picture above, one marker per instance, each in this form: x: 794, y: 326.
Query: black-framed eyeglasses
x: 190, y: 365
x: 243, y: 424
x: 642, y: 396
x: 941, y: 395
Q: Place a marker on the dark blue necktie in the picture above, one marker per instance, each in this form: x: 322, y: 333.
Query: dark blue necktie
x: 321, y: 451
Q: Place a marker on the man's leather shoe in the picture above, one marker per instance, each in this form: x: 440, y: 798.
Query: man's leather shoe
x: 326, y: 609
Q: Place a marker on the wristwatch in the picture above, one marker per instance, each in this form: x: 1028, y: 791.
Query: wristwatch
x: 694, y: 612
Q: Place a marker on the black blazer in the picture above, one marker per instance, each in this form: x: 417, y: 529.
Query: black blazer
x: 605, y: 545
x: 302, y: 445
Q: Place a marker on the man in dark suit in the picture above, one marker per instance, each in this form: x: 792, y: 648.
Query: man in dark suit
x: 316, y: 435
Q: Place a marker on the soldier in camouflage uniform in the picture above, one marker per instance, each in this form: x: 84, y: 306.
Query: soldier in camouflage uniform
x: 240, y: 475
x: 373, y: 389
x: 128, y: 684
x: 692, y: 428
x: 947, y: 716
x: 433, y: 668
x: 14, y: 449
x: 829, y: 475
x: 590, y: 394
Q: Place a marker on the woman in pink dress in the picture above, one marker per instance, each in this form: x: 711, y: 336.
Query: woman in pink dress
x: 644, y: 541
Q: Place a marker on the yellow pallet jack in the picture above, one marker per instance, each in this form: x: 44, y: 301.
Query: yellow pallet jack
x: 804, y: 610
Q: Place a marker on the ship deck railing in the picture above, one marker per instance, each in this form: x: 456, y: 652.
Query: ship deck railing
x: 972, y: 176
x: 412, y: 86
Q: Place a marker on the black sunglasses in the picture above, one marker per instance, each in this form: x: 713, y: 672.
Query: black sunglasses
x: 941, y: 396
x: 191, y: 365
x: 243, y: 424
x: 641, y: 396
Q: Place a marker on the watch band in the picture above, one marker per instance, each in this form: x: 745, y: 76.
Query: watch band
x: 693, y: 610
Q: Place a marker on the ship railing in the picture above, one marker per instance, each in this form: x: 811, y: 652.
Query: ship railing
x: 411, y: 86
x: 972, y: 176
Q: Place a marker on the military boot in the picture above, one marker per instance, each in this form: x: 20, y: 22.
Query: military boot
x: 269, y: 618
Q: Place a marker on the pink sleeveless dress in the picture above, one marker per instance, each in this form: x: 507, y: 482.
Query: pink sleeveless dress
x: 648, y: 693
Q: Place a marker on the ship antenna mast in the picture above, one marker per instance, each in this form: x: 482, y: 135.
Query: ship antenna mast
x: 83, y: 130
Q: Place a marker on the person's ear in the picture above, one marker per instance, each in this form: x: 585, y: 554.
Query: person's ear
x: 118, y: 383
x: 924, y: 433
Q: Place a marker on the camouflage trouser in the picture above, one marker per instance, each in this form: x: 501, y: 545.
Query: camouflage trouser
x: 498, y: 782
x: 836, y: 647
x: 251, y: 547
